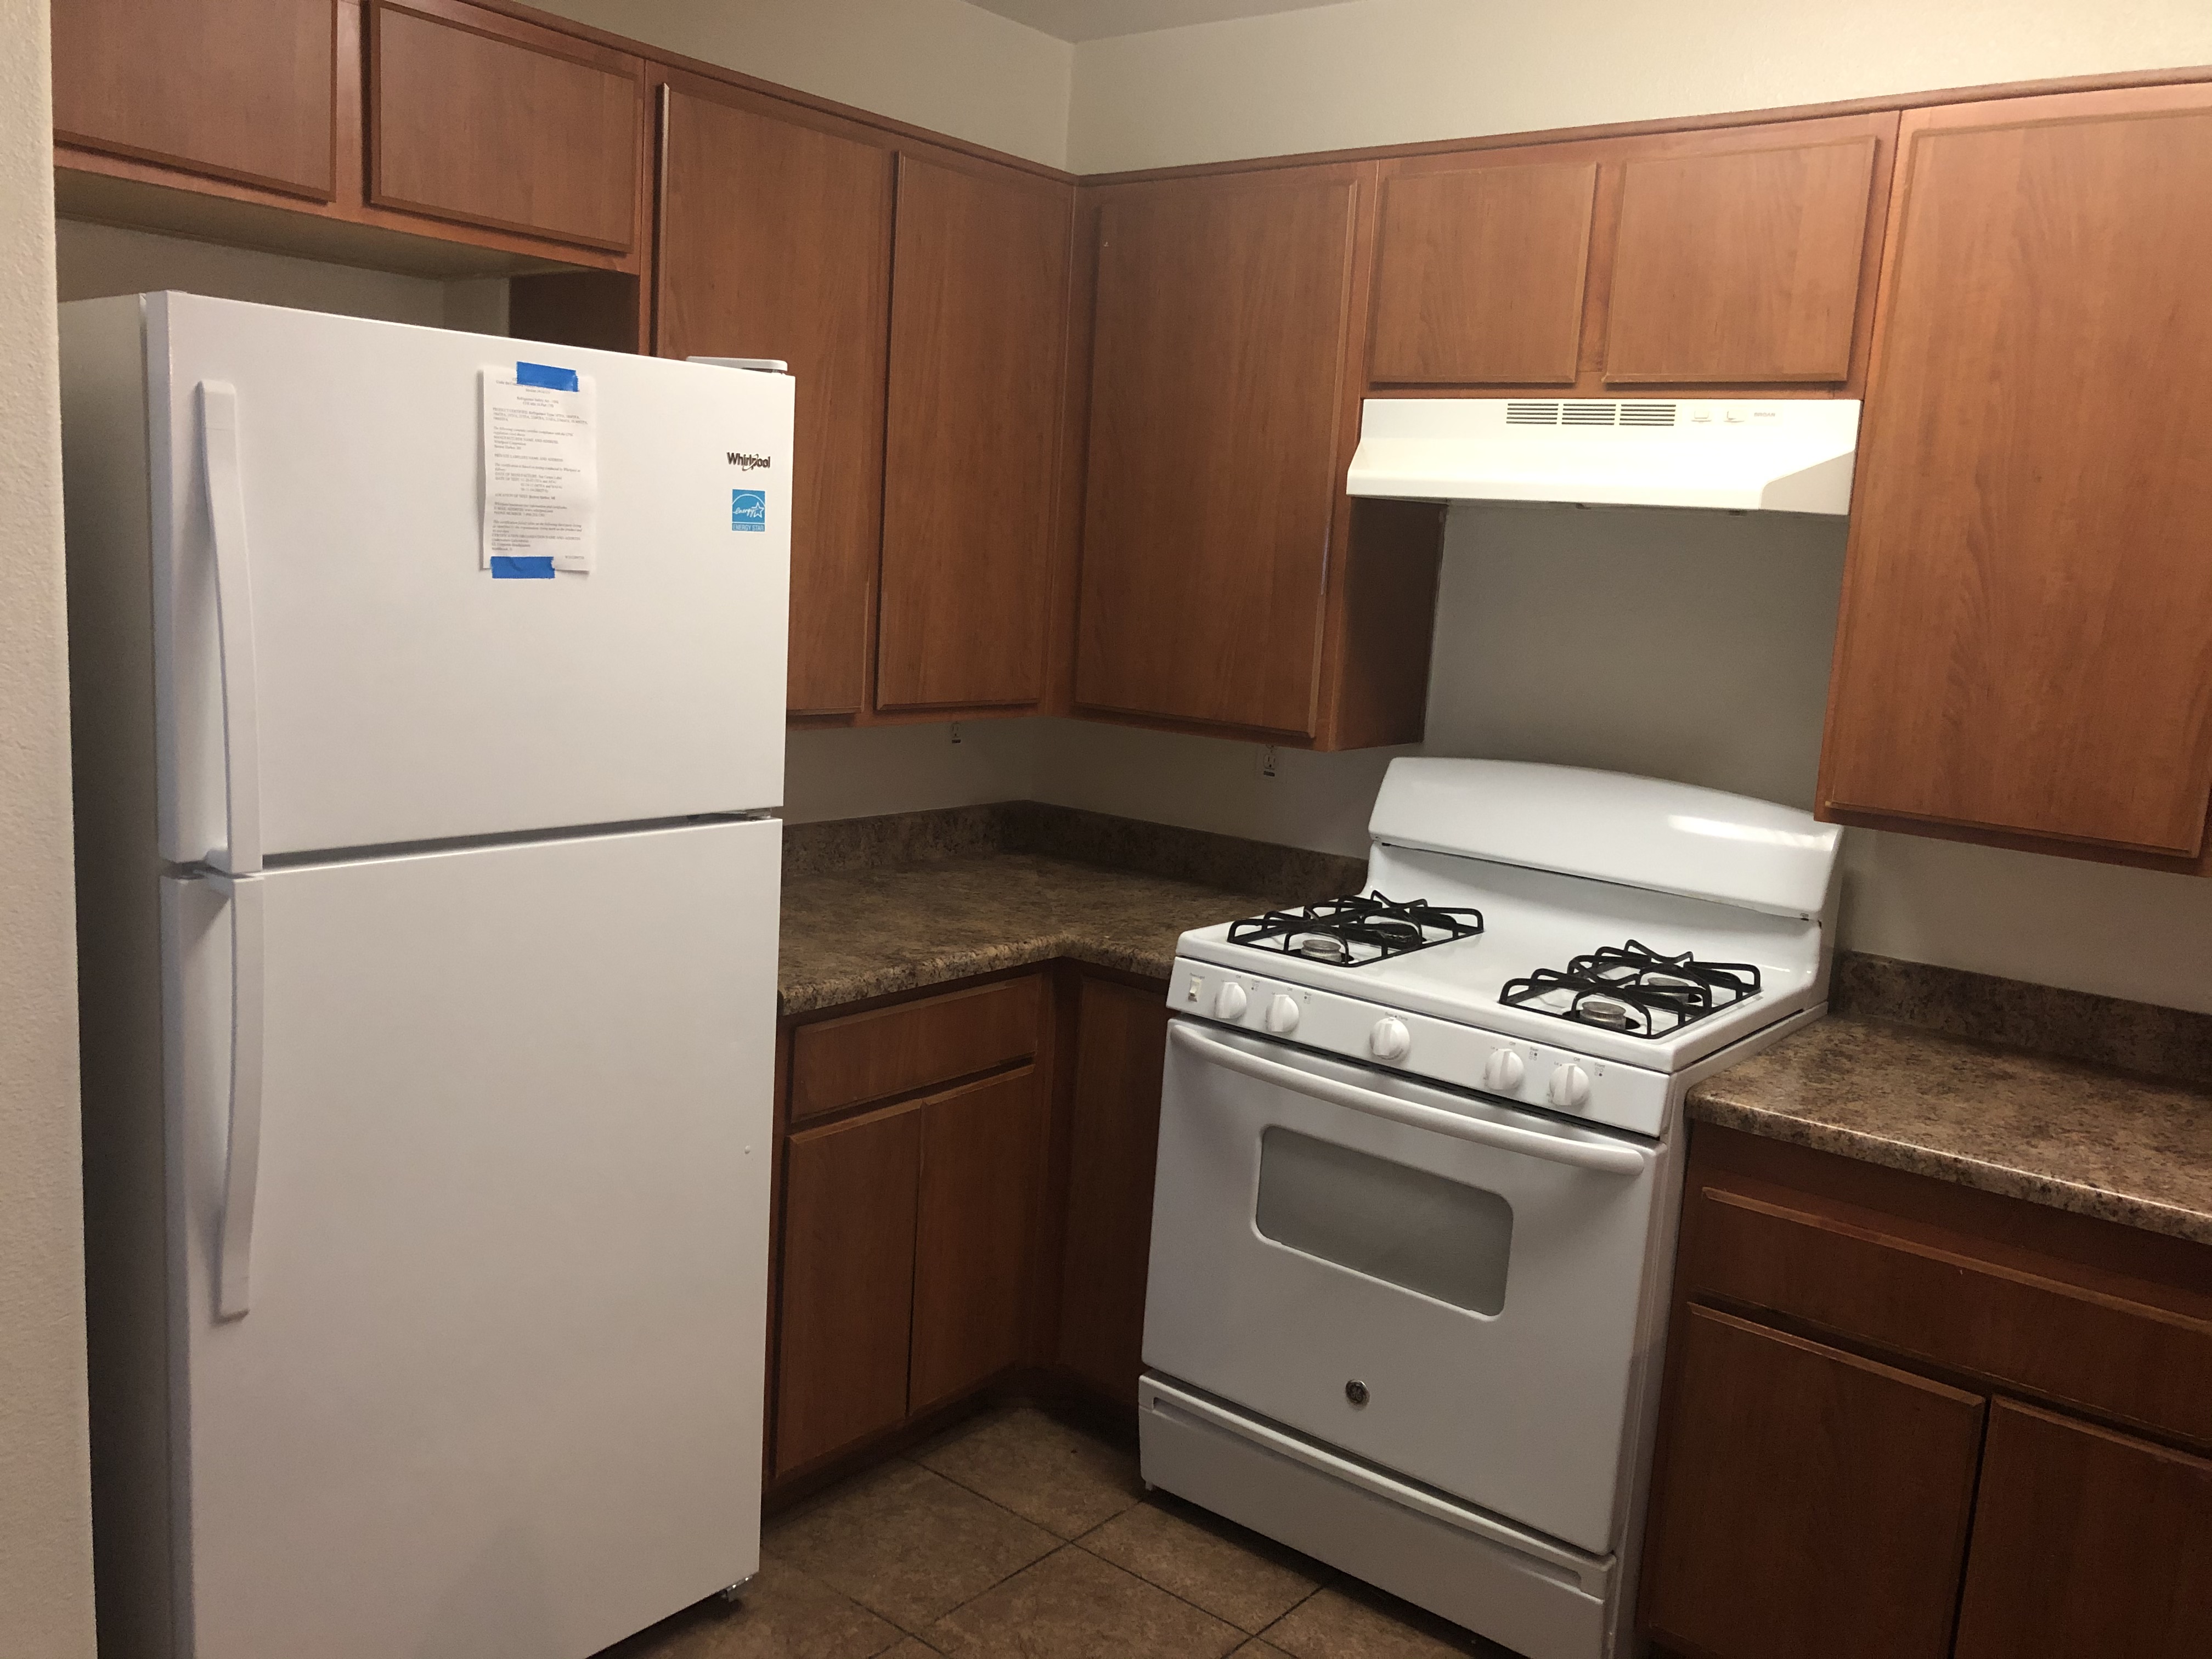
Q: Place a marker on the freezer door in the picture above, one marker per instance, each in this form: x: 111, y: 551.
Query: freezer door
x: 495, y: 1389
x: 383, y: 686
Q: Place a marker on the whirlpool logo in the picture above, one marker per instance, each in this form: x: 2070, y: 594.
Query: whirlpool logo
x: 746, y: 463
x: 749, y: 509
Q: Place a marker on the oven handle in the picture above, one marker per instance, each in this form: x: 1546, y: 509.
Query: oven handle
x: 1607, y: 1157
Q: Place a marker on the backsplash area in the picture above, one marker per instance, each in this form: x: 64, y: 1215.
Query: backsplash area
x: 2110, y: 1031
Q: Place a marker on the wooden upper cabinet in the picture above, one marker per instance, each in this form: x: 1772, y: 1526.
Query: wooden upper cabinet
x: 1743, y: 265
x: 1479, y: 269
x: 813, y: 290
x: 978, y: 366
x: 2087, y: 1545
x: 2025, y: 647
x: 480, y: 118
x: 1218, y: 379
x: 1811, y: 1503
x: 237, y: 90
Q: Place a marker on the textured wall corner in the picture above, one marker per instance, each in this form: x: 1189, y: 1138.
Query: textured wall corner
x: 46, y: 1534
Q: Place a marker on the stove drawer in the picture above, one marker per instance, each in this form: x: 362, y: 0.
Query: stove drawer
x: 1444, y: 1286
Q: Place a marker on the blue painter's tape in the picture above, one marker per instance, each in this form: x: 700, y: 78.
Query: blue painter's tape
x: 533, y: 569
x: 543, y: 374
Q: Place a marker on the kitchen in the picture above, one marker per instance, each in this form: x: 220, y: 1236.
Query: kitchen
x: 1037, y: 729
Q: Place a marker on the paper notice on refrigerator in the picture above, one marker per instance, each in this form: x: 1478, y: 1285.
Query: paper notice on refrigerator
x: 541, y: 469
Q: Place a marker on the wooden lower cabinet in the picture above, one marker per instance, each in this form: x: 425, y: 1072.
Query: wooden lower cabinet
x: 1871, y: 1445
x: 851, y: 1193
x: 926, y: 1253
x: 1119, y: 1050
x: 1800, y: 1477
x: 2087, y: 1545
x: 982, y: 1167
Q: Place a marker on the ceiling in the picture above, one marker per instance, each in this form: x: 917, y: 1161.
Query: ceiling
x: 1095, y: 20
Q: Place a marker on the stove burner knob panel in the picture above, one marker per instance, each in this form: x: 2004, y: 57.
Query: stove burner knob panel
x: 1503, y: 1071
x: 1569, y: 1086
x: 1230, y: 1001
x: 1390, y: 1040
x: 1282, y: 1015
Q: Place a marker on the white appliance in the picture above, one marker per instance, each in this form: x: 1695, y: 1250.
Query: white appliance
x: 428, y: 911
x: 1777, y: 455
x: 1418, y: 1181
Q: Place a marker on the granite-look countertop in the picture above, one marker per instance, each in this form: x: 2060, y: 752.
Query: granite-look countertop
x: 871, y: 933
x: 2131, y: 1149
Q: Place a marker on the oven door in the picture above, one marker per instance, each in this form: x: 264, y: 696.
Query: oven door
x: 1436, y: 1282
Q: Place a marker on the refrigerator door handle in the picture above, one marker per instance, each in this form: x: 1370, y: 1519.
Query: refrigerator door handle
x: 234, y: 588
x: 241, y: 1167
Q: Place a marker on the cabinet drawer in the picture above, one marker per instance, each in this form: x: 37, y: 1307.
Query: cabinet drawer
x: 1845, y: 1269
x: 837, y: 1063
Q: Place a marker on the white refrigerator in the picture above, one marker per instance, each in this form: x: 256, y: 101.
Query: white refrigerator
x: 429, y: 703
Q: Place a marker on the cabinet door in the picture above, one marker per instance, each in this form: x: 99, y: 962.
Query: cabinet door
x: 1479, y: 272
x: 1741, y: 266
x: 481, y: 118
x: 848, y: 1282
x: 238, y: 88
x: 816, y: 294
x: 1223, y: 319
x: 1811, y: 1504
x: 1121, y: 1050
x: 2026, y: 644
x: 979, y: 339
x: 2087, y: 1545
x: 983, y: 1169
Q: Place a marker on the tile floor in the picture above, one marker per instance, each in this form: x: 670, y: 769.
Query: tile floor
x: 1016, y: 1536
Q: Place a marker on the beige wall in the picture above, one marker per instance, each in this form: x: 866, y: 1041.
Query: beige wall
x: 46, y: 1546
x: 1399, y: 71
x: 943, y: 65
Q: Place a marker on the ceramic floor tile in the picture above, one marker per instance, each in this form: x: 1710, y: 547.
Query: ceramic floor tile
x: 1256, y: 1649
x: 785, y: 1613
x: 1219, y: 1566
x: 1358, y: 1622
x: 907, y: 1544
x: 1043, y: 1470
x: 1073, y: 1606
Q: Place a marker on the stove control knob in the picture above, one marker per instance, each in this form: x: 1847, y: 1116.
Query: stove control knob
x: 1229, y: 1002
x: 1503, y: 1071
x: 1282, y: 1015
x: 1390, y: 1039
x: 1569, y: 1086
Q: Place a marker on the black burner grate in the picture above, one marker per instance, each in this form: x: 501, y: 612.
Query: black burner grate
x: 1632, y: 988
x: 1352, y: 932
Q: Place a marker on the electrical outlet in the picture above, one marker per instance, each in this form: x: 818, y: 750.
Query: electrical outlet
x: 956, y: 731
x: 1267, y: 759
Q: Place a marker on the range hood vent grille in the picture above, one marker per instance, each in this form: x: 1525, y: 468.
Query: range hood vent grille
x: 1520, y: 413
x: 1781, y: 455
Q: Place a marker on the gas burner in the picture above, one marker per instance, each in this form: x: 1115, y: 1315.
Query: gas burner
x: 1352, y: 932
x: 1633, y: 989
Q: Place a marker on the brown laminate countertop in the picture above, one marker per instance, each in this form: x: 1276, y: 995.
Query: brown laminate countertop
x: 2131, y: 1149
x: 852, y: 934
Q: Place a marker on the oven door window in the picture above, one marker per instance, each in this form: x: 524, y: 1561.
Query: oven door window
x: 1390, y: 1221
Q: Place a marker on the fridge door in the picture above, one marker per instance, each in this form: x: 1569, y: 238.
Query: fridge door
x: 496, y: 1387
x: 381, y: 685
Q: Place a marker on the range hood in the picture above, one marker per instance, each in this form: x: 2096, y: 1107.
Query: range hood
x: 1782, y: 455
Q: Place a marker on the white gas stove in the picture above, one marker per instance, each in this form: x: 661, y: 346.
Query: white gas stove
x: 1418, y: 1182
